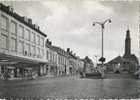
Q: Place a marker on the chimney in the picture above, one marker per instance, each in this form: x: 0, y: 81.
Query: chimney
x: 26, y: 19
x: 50, y: 43
x: 11, y: 9
x: 68, y: 50
x: 71, y: 52
x: 47, y: 41
x: 38, y: 28
x: 30, y: 21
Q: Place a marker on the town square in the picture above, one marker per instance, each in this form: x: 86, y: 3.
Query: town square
x: 69, y: 49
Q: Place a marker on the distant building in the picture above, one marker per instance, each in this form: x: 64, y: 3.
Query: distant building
x: 52, y: 57
x: 63, y: 61
x: 75, y: 63
x: 128, y: 62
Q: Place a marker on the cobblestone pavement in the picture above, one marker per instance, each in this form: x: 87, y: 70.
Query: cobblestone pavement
x: 71, y: 87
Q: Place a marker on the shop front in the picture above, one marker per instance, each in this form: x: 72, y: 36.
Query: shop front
x: 17, y: 67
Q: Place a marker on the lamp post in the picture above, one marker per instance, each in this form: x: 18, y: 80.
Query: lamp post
x: 102, y: 24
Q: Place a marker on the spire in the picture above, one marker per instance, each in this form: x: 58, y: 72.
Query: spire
x: 127, y: 44
x: 128, y: 33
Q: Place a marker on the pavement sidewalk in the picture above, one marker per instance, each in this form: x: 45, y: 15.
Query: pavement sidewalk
x: 39, y: 78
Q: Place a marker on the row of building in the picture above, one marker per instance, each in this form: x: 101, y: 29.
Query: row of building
x: 25, y: 50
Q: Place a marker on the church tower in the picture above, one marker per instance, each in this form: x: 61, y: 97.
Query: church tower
x: 127, y: 44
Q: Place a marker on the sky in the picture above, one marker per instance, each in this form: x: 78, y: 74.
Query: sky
x: 68, y: 24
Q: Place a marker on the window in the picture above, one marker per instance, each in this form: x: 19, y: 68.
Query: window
x: 38, y: 40
x: 4, y: 40
x: 27, y: 34
x: 47, y: 54
x: 62, y: 60
x: 4, y: 22
x: 33, y: 37
x: 33, y: 50
x: 21, y: 31
x: 42, y: 42
x: 56, y: 57
x: 53, y: 56
x: 13, y: 44
x: 13, y: 27
x: 42, y: 52
x: 27, y: 48
x: 50, y: 56
x: 20, y: 47
x: 59, y: 59
x: 38, y: 52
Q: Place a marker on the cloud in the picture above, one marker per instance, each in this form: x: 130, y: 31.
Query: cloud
x: 68, y: 23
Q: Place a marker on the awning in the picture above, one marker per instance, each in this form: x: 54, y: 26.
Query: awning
x: 10, y: 67
x: 8, y: 63
x: 11, y: 59
x: 52, y: 64
x: 28, y: 68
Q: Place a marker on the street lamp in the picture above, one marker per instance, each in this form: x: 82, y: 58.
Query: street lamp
x: 102, y: 24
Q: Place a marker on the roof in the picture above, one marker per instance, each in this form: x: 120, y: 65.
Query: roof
x: 118, y: 59
x: 59, y: 50
x: 6, y: 9
x: 72, y: 56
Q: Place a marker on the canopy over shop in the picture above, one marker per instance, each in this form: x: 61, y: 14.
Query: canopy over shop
x: 20, y: 67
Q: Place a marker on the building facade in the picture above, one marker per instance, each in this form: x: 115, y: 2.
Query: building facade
x: 63, y: 61
x: 22, y: 44
x: 52, y: 57
x: 75, y: 63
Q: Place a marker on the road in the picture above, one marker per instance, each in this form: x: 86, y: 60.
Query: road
x: 71, y: 87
